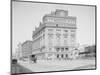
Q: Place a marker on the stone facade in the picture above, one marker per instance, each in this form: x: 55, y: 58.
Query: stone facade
x: 55, y: 38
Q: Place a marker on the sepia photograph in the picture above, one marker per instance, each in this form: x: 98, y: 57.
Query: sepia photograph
x: 52, y: 37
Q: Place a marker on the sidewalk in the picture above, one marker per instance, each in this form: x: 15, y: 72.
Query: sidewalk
x: 41, y: 66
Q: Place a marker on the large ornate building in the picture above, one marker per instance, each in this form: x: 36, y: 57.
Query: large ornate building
x: 55, y: 38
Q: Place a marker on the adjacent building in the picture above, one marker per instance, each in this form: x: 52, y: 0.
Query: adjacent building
x: 18, y: 53
x: 55, y: 38
x: 26, y: 49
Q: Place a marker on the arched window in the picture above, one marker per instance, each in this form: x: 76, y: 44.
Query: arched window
x: 66, y: 49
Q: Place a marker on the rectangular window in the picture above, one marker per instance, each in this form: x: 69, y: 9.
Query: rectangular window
x: 58, y: 29
x: 43, y: 36
x: 66, y: 49
x: 50, y: 49
x: 50, y: 29
x: 65, y: 35
x: 50, y: 35
x: 72, y: 30
x: 50, y: 44
x: 50, y: 55
x: 58, y: 35
x: 65, y: 42
x: 62, y: 49
x: 72, y: 35
x: 65, y: 30
x: 57, y: 49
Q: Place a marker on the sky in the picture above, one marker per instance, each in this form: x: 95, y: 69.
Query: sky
x: 26, y: 16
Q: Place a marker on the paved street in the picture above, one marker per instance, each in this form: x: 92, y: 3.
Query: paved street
x: 90, y: 66
x: 41, y: 66
x: 16, y: 68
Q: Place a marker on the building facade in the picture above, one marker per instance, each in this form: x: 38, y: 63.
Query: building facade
x: 55, y: 38
x: 27, y: 49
